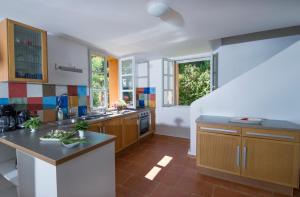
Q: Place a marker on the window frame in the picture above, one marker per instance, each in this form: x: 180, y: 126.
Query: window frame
x: 176, y: 62
x: 105, y: 89
x: 168, y: 81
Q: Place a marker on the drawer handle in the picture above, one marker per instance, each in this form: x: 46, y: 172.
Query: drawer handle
x: 220, y: 130
x: 270, y: 135
x: 238, y: 156
x: 244, y: 157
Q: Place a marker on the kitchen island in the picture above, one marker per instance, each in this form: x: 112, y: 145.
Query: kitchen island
x: 48, y: 169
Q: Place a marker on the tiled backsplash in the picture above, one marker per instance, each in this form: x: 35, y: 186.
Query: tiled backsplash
x: 43, y: 98
x: 146, y: 97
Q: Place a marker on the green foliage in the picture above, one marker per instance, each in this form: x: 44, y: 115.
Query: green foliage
x: 33, y: 123
x: 98, y: 79
x: 194, y: 81
x: 81, y: 125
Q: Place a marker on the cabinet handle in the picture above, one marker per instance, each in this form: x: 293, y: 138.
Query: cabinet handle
x: 249, y: 133
x: 238, y: 156
x: 244, y: 156
x: 216, y: 130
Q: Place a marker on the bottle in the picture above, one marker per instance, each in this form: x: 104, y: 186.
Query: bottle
x: 60, y: 114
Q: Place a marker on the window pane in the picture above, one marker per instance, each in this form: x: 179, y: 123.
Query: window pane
x: 166, y: 82
x: 128, y: 97
x: 171, y: 83
x: 98, y: 72
x: 98, y: 98
x: 126, y: 67
x: 168, y: 98
x: 127, y: 83
x: 171, y: 68
x: 165, y: 67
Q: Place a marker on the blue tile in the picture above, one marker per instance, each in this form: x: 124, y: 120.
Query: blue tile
x: 49, y: 102
x: 82, y: 101
x: 82, y: 91
x: 4, y: 101
x: 152, y: 91
x: 82, y: 110
x: 62, y: 101
x: 146, y: 90
x: 66, y: 112
x: 141, y: 103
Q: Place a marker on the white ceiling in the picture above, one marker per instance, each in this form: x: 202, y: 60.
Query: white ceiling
x: 124, y: 27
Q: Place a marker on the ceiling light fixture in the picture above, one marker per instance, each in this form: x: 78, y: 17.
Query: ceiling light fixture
x: 157, y: 8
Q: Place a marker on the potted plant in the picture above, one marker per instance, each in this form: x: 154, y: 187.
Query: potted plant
x: 33, y: 124
x: 81, y: 126
x: 120, y: 105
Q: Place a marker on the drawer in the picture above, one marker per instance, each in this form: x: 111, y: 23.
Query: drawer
x: 217, y: 128
x: 281, y: 135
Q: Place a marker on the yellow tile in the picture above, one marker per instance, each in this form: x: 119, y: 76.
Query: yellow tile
x: 49, y: 115
x: 73, y: 101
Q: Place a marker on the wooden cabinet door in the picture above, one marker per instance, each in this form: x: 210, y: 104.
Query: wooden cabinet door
x: 130, y: 130
x: 114, y: 127
x: 94, y: 127
x: 271, y: 160
x: 219, y: 152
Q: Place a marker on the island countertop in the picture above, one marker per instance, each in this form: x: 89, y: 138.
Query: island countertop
x: 52, y: 152
x: 265, y: 124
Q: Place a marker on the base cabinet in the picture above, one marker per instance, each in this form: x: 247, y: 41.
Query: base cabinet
x: 251, y: 154
x: 130, y: 130
x: 271, y: 160
x: 114, y: 127
x: 220, y: 152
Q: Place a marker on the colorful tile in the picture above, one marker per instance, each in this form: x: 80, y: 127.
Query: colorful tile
x: 49, y: 115
x: 82, y: 110
x: 35, y: 103
x: 152, y: 91
x: 152, y: 97
x: 152, y: 103
x: 17, y: 90
x: 141, y: 96
x: 146, y: 90
x: 73, y: 101
x: 62, y: 101
x: 40, y: 113
x: 49, y: 90
x: 19, y: 103
x: 49, y: 102
x: 82, y: 101
x: 4, y: 90
x: 60, y: 90
x: 34, y: 90
x: 140, y: 90
x: 4, y: 101
x: 141, y: 103
x: 72, y: 91
x: 81, y: 91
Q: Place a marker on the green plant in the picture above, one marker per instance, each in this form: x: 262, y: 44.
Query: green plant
x: 33, y: 123
x: 81, y: 125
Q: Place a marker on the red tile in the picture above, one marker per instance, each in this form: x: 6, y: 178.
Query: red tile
x: 168, y: 191
x: 222, y: 192
x: 72, y: 91
x: 35, y: 103
x: 17, y: 90
x: 140, y: 90
x: 141, y: 185
x: 152, y: 97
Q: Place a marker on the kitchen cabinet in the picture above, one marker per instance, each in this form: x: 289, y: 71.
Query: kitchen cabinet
x: 130, y: 130
x: 271, y: 160
x: 153, y: 120
x: 114, y: 127
x: 94, y: 127
x: 270, y: 155
x: 219, y: 152
x: 23, y: 53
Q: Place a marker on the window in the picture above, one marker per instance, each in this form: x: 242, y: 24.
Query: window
x: 98, y: 81
x: 185, y: 81
x: 127, y: 83
x: 168, y: 83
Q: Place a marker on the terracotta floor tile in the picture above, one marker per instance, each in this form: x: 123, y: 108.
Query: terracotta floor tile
x: 122, y: 176
x: 222, y: 192
x: 125, y: 192
x: 197, y: 187
x: 168, y: 191
x: 167, y: 177
x: 141, y: 185
x: 250, y: 190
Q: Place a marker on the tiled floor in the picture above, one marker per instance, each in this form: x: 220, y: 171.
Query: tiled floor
x: 178, y: 179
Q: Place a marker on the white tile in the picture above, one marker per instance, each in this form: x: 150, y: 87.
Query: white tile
x: 59, y: 90
x: 3, y: 90
x: 34, y: 90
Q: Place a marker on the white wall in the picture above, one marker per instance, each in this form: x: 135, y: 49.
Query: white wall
x: 173, y: 121
x: 67, y: 52
x: 269, y: 90
x: 236, y: 59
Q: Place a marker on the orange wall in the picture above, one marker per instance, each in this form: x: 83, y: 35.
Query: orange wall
x: 113, y: 83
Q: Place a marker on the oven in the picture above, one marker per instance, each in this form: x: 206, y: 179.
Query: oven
x: 144, y: 122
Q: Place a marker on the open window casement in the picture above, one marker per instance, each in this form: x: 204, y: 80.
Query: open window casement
x: 168, y: 82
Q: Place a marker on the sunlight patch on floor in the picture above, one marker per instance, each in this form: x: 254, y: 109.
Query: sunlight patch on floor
x: 153, y: 173
x: 165, y: 161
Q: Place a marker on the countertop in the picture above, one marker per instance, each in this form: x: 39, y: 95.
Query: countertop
x: 266, y: 123
x: 52, y: 152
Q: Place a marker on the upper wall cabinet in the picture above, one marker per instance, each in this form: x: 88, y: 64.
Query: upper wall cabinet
x: 23, y: 53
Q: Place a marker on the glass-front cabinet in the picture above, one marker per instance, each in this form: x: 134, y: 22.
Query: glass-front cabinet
x: 26, y: 52
x: 127, y: 82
